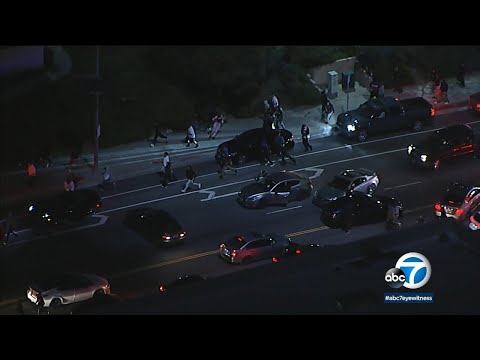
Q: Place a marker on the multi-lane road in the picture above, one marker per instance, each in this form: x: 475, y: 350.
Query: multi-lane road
x: 211, y: 215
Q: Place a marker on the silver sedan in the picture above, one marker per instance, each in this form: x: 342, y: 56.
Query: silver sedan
x: 67, y: 289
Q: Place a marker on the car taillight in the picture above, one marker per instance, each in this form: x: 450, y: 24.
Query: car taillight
x: 98, y: 205
x: 478, y: 106
x: 166, y: 237
x: 458, y: 212
x: 432, y: 112
x: 438, y: 207
x: 162, y: 288
x: 233, y: 254
x: 298, y: 251
x: 274, y: 259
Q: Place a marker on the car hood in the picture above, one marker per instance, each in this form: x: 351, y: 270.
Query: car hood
x: 253, y: 189
x: 329, y: 193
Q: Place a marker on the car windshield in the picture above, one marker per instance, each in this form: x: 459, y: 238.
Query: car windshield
x: 456, y: 194
x: 339, y: 183
x: 236, y: 242
x: 366, y: 111
x: 267, y: 182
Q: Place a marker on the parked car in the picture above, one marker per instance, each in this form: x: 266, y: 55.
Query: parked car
x: 384, y: 115
x: 246, y: 146
x: 67, y: 207
x: 68, y: 289
x: 253, y: 246
x: 367, y: 209
x: 155, y: 225
x: 362, y: 180
x: 474, y: 102
x: 444, y: 144
x: 459, y: 201
x: 182, y: 281
x: 277, y: 188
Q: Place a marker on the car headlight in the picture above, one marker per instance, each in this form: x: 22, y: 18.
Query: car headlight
x: 30, y: 208
x: 410, y: 149
x: 351, y: 127
x: 45, y: 216
x: 423, y: 158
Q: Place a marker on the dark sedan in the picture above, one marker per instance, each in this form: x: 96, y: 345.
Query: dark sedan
x: 246, y: 146
x: 278, y: 188
x: 449, y: 143
x: 366, y: 209
x: 182, y: 281
x: 70, y: 206
x: 155, y: 225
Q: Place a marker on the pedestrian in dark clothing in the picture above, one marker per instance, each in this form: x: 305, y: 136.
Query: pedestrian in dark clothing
x: 329, y: 111
x: 444, y: 90
x: 226, y: 165
x: 190, y: 174
x: 40, y: 304
x: 268, y: 121
x: 374, y: 89
x: 261, y: 175
x: 305, y: 131
x: 461, y: 75
x: 158, y: 134
x: 281, y: 149
x: 323, y: 102
x: 167, y: 170
x: 396, y: 79
x: 266, y: 152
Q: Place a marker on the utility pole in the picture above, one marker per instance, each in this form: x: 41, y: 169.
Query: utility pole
x: 97, y: 112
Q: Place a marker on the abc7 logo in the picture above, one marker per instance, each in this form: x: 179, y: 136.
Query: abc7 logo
x: 413, y: 270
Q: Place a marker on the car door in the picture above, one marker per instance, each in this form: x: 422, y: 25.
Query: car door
x: 265, y: 248
x: 256, y: 249
x: 66, y: 289
x: 281, y: 193
x: 295, y: 188
x: 83, y: 289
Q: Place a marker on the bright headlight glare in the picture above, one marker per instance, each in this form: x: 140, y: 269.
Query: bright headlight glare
x: 351, y: 127
x: 409, y: 149
x: 30, y: 208
x: 423, y: 158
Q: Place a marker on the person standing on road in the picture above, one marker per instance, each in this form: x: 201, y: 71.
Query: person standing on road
x: 190, y: 175
x: 444, y: 91
x: 305, y: 131
x: 32, y: 173
x: 266, y: 151
x: 275, y: 103
x: 191, y: 138
x: 393, y: 216
x: 348, y: 209
x: 226, y: 165
x: 217, y: 122
x: 279, y: 142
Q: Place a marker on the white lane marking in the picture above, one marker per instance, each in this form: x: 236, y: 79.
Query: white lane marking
x: 103, y: 220
x: 318, y: 172
x: 224, y: 195
x: 242, y: 182
x: 277, y: 211
x: 211, y: 194
x: 345, y: 147
x: 399, y: 186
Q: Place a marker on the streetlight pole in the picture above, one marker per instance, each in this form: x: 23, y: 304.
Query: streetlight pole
x: 97, y: 112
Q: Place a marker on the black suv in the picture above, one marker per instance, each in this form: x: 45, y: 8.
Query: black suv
x: 444, y: 144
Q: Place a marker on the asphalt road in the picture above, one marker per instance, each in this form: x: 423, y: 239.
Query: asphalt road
x: 135, y: 267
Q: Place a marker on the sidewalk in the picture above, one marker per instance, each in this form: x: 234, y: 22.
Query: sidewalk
x: 13, y: 187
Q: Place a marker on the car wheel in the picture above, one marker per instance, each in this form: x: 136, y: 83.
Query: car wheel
x: 436, y: 164
x: 362, y: 135
x: 55, y: 303
x: 371, y: 189
x: 98, y: 293
x: 417, y: 126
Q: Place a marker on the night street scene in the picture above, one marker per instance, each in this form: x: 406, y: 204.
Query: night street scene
x: 240, y: 180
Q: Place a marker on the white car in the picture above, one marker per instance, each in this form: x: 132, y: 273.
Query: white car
x: 459, y: 201
x: 68, y: 289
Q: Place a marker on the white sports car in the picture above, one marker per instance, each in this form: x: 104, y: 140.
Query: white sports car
x: 68, y: 289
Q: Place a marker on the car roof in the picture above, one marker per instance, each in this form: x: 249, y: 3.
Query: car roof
x: 284, y: 175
